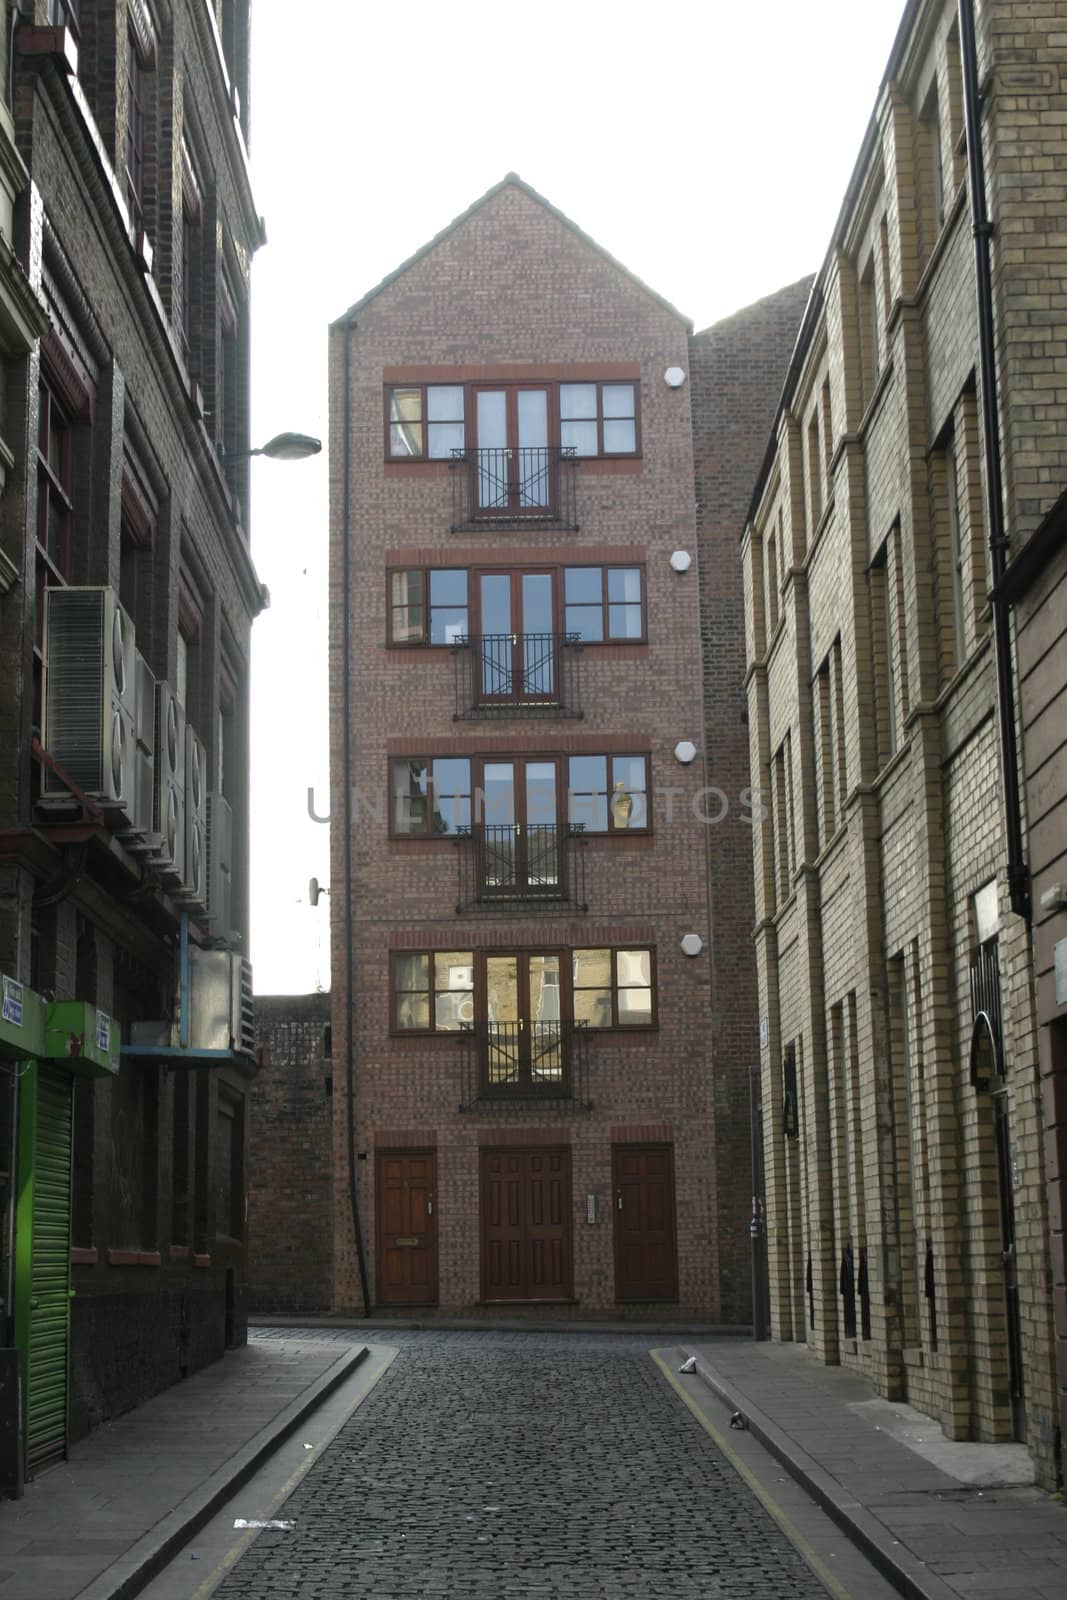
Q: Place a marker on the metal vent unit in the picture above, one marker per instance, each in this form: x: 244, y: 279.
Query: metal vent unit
x: 90, y: 698
x: 221, y: 1009
x: 219, y: 860
x: 193, y: 888
x: 138, y: 835
x: 167, y: 840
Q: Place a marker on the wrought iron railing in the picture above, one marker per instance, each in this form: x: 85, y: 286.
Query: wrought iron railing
x: 502, y: 866
x: 505, y: 1062
x: 506, y: 485
x: 518, y: 674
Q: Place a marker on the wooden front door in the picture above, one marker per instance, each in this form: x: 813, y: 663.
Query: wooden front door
x: 407, y: 1227
x: 646, y: 1262
x: 526, y: 1225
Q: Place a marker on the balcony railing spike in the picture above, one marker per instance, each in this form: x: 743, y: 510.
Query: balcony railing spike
x: 506, y: 486
x: 517, y: 675
x: 509, y: 868
x: 502, y: 1063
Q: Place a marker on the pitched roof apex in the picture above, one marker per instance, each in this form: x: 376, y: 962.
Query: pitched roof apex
x: 509, y: 180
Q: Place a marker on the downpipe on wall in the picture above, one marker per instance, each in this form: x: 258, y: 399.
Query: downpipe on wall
x: 1018, y: 872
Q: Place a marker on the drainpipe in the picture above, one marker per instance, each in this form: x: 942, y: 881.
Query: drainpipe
x: 346, y: 770
x: 1018, y: 873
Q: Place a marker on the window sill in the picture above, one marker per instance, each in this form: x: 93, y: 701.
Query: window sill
x: 572, y: 1301
x: 201, y: 1261
x: 81, y: 1256
x: 179, y: 1252
x: 133, y: 1258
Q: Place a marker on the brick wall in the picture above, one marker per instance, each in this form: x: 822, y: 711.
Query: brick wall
x: 156, y: 1258
x: 736, y: 370
x: 289, y: 1188
x: 872, y: 705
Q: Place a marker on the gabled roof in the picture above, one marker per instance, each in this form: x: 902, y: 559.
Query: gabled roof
x: 512, y: 180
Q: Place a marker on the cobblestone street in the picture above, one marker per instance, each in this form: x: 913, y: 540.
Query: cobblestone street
x: 514, y: 1465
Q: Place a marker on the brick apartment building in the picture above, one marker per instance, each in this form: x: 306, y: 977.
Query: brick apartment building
x: 907, y: 1214
x: 526, y: 1081
x: 126, y: 598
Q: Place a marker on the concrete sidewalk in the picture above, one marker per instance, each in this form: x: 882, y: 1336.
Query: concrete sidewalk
x: 101, y: 1523
x: 941, y: 1520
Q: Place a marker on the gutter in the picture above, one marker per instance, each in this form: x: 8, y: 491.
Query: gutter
x: 1017, y: 870
x: 346, y: 812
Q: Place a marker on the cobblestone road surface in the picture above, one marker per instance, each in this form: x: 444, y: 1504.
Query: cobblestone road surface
x: 494, y: 1466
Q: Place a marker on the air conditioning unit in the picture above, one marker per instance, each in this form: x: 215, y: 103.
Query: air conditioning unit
x: 219, y: 859
x: 167, y: 840
x: 192, y: 890
x: 138, y: 834
x: 90, y: 698
x: 221, y: 1008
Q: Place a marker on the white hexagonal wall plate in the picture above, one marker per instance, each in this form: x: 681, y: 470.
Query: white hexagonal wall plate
x: 681, y: 561
x: 692, y: 944
x: 685, y: 751
x: 674, y: 377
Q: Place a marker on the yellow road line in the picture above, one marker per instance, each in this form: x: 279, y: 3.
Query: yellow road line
x: 763, y: 1495
x: 238, y: 1548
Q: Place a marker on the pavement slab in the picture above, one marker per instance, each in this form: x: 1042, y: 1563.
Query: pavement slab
x: 98, y: 1524
x: 941, y: 1520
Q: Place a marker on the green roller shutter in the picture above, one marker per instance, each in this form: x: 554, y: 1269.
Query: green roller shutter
x: 44, y: 1256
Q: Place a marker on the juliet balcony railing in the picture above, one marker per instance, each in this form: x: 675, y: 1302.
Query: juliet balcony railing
x: 517, y: 675
x: 512, y: 867
x: 506, y: 486
x: 506, y: 1062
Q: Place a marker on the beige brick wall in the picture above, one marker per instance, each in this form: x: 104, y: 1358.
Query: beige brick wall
x: 864, y: 953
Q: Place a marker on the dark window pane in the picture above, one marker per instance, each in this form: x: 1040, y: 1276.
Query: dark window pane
x: 448, y: 587
x: 447, y: 624
x: 618, y: 399
x: 579, y: 437
x: 413, y: 1011
x: 405, y: 405
x: 444, y: 402
x: 585, y: 584
x: 409, y: 796
x: 405, y: 439
x: 624, y: 583
x: 590, y: 812
x: 588, y: 773
x: 412, y: 972
x: 587, y: 622
x: 629, y: 771
x: 620, y: 438
x: 635, y: 1007
x: 578, y: 400
x: 624, y: 622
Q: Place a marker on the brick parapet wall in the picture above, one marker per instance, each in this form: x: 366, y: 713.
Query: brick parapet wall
x: 290, y: 1155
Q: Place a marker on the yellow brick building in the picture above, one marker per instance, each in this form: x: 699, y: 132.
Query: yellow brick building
x: 905, y: 1179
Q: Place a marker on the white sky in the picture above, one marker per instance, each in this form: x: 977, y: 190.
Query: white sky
x: 707, y: 147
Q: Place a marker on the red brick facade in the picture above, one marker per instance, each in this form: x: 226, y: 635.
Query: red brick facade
x: 512, y: 294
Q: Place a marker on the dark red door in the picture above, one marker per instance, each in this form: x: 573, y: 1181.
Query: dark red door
x: 526, y: 1225
x: 646, y: 1263
x: 407, y: 1228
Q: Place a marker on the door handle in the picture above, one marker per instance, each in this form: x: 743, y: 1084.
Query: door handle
x: 429, y: 1208
x: 620, y: 1200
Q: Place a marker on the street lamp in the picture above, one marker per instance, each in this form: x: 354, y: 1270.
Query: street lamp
x: 283, y: 447
x: 289, y: 447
